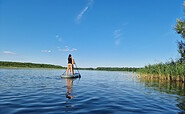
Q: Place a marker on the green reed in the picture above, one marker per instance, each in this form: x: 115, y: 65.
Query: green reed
x: 172, y: 69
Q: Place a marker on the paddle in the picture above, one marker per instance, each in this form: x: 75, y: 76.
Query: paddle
x: 64, y: 72
x: 77, y: 69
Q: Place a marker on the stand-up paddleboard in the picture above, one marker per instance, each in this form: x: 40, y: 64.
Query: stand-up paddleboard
x: 76, y: 75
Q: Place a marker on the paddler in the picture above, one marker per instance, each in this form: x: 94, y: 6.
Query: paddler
x: 70, y: 65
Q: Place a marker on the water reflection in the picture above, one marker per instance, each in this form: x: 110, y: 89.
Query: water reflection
x: 69, y: 104
x: 69, y: 85
x: 177, y: 88
x: 165, y: 86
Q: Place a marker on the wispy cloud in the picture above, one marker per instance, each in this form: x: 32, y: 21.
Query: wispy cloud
x: 9, y: 53
x: 117, y: 36
x: 46, y: 51
x: 125, y: 24
x: 59, y: 38
x: 80, y: 15
x: 67, y: 49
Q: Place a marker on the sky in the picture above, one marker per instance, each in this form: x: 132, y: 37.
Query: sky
x: 114, y: 33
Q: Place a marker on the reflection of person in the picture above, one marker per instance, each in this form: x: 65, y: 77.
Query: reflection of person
x: 70, y: 65
x: 69, y: 84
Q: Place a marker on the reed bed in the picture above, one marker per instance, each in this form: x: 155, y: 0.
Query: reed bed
x: 174, y: 71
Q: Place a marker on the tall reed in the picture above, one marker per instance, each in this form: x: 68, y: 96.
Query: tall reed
x: 170, y: 70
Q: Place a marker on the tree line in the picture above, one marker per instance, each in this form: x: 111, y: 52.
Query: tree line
x: 27, y: 65
x: 34, y: 65
x: 133, y: 69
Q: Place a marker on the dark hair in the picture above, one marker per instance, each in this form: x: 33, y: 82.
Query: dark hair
x: 69, y: 55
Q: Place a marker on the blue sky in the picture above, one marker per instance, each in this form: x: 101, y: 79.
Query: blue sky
x: 123, y: 33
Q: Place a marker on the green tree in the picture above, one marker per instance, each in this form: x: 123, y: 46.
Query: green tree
x: 180, y: 29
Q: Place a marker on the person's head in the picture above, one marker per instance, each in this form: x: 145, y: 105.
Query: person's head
x: 69, y: 55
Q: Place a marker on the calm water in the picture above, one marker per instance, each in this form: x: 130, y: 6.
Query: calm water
x: 43, y: 91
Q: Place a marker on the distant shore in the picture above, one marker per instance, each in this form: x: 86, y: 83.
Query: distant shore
x: 167, y: 71
x: 31, y: 68
x: 7, y: 64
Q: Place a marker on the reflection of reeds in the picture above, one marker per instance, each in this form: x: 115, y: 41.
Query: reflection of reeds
x: 171, y: 87
x: 173, y: 71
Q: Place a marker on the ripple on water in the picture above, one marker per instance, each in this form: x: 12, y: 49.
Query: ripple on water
x: 43, y: 91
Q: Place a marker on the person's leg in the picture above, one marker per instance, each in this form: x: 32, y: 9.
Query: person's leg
x: 72, y: 69
x: 67, y: 69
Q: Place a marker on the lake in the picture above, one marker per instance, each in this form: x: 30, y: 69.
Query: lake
x: 29, y: 91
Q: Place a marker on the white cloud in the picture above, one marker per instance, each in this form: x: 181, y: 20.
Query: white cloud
x: 81, y: 13
x: 117, y: 36
x: 59, y: 38
x: 117, y: 33
x: 78, y: 18
x: 9, y: 53
x: 46, y: 51
x: 74, y: 49
x: 67, y: 49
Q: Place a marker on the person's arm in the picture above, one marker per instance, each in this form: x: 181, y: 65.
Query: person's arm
x: 73, y: 62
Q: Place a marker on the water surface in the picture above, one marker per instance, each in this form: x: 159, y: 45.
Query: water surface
x: 43, y: 91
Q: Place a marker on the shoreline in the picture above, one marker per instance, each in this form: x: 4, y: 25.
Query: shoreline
x: 63, y: 69
x: 30, y: 68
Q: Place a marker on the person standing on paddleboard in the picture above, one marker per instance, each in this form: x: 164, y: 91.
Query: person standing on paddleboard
x: 70, y: 65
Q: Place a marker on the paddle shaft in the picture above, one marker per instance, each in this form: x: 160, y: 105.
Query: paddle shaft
x: 64, y: 72
x: 77, y: 68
